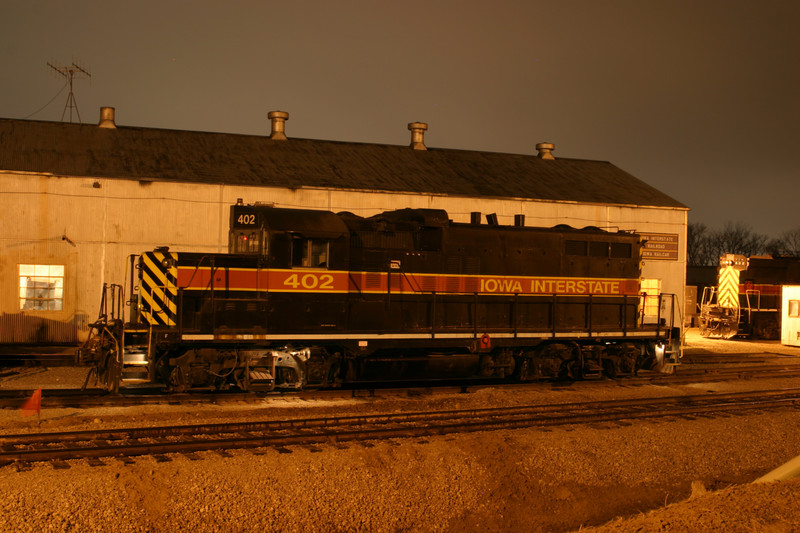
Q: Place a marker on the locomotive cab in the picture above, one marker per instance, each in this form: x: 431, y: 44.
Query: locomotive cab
x: 289, y: 238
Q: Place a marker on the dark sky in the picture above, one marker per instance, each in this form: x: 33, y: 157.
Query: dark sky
x: 700, y: 99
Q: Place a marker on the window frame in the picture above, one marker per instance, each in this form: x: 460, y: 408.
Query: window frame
x: 49, y: 295
x: 309, y: 248
x: 249, y: 242
x: 650, y: 290
x: 576, y: 248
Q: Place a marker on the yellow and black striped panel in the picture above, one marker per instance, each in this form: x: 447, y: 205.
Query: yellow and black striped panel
x: 728, y: 291
x: 640, y: 306
x: 158, y: 293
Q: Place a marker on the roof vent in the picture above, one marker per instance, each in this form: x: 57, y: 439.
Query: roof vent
x: 107, y: 118
x: 417, y: 135
x: 546, y: 150
x: 278, y: 119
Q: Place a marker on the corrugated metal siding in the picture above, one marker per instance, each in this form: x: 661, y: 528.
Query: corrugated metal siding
x: 26, y: 329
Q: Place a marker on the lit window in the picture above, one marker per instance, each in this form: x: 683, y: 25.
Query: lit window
x: 794, y: 308
x: 651, y: 289
x: 41, y: 287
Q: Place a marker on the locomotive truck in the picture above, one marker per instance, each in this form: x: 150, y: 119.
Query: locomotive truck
x: 309, y: 298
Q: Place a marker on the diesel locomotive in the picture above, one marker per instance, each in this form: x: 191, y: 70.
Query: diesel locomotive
x: 308, y: 298
x: 747, y: 298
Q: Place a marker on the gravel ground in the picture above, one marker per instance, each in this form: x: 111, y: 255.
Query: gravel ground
x: 672, y: 475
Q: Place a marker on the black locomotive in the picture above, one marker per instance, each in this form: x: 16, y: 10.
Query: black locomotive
x: 308, y: 298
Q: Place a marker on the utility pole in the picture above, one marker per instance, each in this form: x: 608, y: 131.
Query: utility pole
x: 69, y: 72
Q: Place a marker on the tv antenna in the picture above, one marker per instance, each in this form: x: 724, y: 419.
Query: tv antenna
x: 69, y: 72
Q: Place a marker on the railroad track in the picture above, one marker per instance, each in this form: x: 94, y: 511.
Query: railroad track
x: 736, y: 358
x: 77, y: 398
x: 690, y: 374
x: 125, y: 443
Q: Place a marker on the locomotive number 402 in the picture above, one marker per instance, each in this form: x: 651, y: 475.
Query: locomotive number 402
x: 246, y: 220
x: 310, y: 281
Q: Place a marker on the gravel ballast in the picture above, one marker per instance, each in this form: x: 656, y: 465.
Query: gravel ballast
x: 679, y: 474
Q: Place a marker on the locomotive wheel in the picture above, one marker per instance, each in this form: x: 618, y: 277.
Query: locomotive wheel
x: 486, y: 366
x: 523, y: 367
x: 549, y: 366
x: 177, y: 380
x: 611, y: 366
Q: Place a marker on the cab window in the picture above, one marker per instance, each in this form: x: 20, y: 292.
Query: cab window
x: 247, y: 242
x: 309, y: 253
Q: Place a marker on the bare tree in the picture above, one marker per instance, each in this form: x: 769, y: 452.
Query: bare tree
x: 775, y: 247
x: 698, y: 249
x: 788, y: 243
x: 737, y: 238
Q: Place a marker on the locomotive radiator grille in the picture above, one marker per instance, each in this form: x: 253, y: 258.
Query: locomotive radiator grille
x: 158, y: 293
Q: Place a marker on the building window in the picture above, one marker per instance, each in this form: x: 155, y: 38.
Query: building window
x: 651, y: 289
x: 794, y: 308
x: 41, y: 287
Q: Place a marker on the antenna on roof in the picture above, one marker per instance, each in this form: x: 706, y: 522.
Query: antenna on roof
x: 69, y: 72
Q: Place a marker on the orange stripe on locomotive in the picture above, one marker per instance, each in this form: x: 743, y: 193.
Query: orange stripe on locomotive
x: 329, y: 281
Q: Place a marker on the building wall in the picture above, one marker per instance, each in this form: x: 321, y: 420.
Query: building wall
x: 92, y: 225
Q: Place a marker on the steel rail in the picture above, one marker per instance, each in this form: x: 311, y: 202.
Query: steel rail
x: 75, y: 398
x: 131, y: 442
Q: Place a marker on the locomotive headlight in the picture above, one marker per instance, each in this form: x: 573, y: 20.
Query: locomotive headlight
x: 661, y: 350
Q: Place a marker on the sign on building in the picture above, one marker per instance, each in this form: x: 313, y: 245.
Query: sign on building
x: 660, y: 246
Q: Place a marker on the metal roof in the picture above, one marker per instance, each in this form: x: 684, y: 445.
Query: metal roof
x: 187, y: 156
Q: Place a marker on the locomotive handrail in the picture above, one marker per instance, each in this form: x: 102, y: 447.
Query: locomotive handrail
x: 624, y: 315
x: 117, y: 300
x: 672, y: 308
x: 754, y: 292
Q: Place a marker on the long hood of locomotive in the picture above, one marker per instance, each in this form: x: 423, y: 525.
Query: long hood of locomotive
x: 170, y: 280
x: 326, y: 281
x: 163, y: 275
